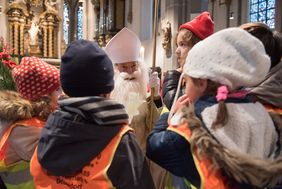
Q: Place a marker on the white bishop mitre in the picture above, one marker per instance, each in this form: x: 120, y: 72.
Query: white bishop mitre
x: 124, y: 47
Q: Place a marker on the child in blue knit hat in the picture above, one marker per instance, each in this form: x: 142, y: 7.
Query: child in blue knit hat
x: 88, y: 143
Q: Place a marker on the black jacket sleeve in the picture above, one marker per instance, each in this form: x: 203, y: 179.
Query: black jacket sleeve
x: 129, y: 169
x: 2, y: 185
x: 170, y: 87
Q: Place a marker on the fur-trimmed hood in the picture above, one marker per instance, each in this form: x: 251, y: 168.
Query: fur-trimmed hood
x: 244, y: 168
x: 13, y: 107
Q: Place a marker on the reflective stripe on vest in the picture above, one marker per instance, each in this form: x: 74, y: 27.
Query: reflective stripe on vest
x: 209, y: 179
x: 273, y: 109
x: 164, y: 110
x: 26, y: 185
x: 170, y: 185
x: 92, y: 176
x: 16, y: 175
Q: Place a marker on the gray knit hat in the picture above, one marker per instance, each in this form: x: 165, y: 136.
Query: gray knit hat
x: 231, y: 57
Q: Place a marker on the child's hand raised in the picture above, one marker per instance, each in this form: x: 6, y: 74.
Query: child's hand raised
x: 181, y: 102
x: 184, y: 100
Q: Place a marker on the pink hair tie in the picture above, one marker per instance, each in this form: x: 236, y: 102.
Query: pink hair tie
x: 222, y: 93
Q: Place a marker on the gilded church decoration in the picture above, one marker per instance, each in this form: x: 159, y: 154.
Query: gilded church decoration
x: 32, y: 46
x: 49, y: 21
x: 167, y: 39
x: 17, y: 15
x: 33, y: 27
x: 35, y: 2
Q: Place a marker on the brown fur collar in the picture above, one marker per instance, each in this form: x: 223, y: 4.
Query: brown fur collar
x: 242, y: 167
x: 13, y: 107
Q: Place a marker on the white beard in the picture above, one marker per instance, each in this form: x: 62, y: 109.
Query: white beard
x: 130, y: 90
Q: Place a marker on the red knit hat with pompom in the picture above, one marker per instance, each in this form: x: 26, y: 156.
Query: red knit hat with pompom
x: 35, y: 78
x: 202, y: 25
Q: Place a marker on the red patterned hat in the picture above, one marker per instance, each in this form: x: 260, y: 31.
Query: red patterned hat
x: 202, y: 25
x: 35, y: 78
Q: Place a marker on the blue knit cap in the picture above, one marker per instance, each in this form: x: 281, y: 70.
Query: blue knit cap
x: 86, y: 70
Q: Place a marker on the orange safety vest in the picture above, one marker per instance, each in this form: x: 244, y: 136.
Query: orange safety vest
x: 92, y: 176
x: 16, y: 175
x: 33, y: 122
x: 210, y: 179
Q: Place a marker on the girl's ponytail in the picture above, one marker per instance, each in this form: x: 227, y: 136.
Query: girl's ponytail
x: 222, y: 113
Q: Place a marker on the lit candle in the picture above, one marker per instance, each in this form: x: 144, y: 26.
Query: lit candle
x: 142, y: 53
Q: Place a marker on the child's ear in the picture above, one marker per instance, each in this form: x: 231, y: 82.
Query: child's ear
x: 203, y: 85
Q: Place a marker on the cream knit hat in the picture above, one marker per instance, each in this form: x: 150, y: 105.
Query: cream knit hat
x: 231, y: 57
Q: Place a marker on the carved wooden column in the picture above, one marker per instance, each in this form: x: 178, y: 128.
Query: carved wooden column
x: 50, y: 41
x: 49, y: 23
x: 16, y: 38
x: 11, y: 31
x: 21, y: 40
x: 16, y: 18
x: 45, y: 39
x: 55, y: 40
